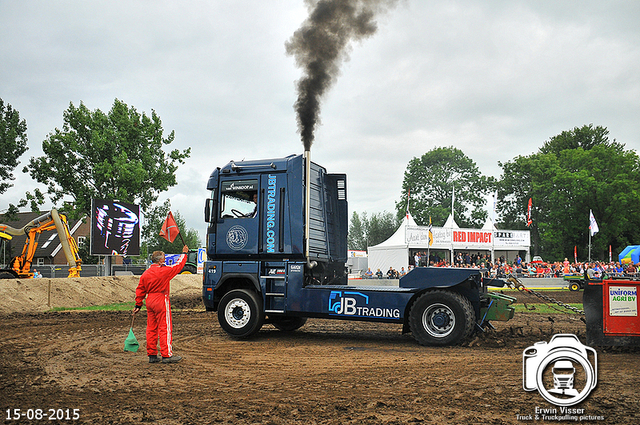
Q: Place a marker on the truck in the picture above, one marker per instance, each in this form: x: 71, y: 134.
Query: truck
x: 20, y: 265
x: 276, y: 248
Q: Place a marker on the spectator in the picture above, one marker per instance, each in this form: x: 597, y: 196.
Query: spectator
x: 379, y: 274
x: 618, y: 269
x: 631, y: 269
x: 36, y: 274
x: 390, y: 273
x: 368, y: 274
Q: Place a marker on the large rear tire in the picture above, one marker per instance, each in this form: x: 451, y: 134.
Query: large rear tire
x: 574, y: 286
x: 288, y: 324
x: 441, y: 317
x: 189, y: 269
x: 7, y: 275
x: 240, y: 313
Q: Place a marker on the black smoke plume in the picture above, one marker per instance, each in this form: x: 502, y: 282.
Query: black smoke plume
x: 319, y: 47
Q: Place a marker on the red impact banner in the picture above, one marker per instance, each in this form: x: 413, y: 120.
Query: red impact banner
x: 169, y: 229
x: 529, y: 214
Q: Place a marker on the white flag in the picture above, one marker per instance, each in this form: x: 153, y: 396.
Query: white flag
x: 593, y: 226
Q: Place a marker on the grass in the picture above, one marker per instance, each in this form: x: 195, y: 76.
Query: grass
x: 539, y: 308
x: 107, y: 307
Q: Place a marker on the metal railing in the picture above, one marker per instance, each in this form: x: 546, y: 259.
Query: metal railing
x: 89, y: 270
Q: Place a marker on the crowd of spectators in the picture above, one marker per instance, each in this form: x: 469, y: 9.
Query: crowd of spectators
x: 502, y: 267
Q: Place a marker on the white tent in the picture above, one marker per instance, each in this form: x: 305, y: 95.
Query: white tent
x: 450, y: 223
x: 488, y: 225
x: 394, y: 252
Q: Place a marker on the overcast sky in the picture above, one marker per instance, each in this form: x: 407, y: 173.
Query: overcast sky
x: 493, y: 78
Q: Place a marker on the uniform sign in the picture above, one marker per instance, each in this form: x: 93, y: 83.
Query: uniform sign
x: 623, y: 301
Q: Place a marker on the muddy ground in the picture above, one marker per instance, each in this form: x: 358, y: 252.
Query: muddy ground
x: 328, y: 372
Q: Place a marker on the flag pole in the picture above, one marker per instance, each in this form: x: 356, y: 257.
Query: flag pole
x: 429, y: 243
x: 593, y: 229
x: 589, y: 243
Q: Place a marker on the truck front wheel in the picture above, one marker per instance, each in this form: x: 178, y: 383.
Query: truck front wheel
x: 240, y: 313
x: 441, y: 318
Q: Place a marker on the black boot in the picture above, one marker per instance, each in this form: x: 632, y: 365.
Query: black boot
x: 172, y: 359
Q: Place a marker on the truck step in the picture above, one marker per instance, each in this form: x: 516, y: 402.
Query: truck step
x: 274, y: 294
x: 274, y: 311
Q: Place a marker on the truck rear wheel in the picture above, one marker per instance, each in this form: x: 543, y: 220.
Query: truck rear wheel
x: 7, y: 275
x: 288, y: 324
x: 240, y: 313
x: 441, y: 318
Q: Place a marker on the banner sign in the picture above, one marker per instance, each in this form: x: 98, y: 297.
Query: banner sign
x: 623, y: 301
x: 418, y: 236
x: 115, y: 228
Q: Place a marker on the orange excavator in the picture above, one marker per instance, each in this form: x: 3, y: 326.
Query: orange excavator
x: 20, y: 266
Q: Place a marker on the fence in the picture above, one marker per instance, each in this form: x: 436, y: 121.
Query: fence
x: 89, y: 270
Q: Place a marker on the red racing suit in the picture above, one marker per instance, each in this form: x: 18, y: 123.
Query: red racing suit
x: 154, y: 284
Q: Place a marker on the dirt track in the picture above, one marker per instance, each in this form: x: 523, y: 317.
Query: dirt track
x: 328, y: 372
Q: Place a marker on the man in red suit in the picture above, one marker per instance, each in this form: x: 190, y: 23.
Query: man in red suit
x: 154, y: 284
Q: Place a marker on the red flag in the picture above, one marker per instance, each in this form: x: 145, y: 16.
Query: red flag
x: 169, y: 229
x: 529, y: 214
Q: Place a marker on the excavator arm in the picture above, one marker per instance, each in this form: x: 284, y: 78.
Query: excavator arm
x: 21, y: 265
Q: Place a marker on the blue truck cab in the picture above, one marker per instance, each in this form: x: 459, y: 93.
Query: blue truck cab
x: 277, y: 250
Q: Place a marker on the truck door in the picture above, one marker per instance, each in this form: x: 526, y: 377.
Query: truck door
x: 237, y: 225
x: 272, y: 217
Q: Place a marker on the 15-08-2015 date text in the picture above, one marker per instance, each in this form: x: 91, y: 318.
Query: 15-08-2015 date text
x: 42, y: 414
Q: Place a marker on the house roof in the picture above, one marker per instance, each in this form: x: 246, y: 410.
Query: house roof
x: 48, y: 243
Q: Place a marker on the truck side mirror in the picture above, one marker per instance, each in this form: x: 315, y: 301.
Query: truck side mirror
x: 209, y: 210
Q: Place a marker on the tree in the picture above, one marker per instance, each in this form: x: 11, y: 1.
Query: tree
x: 150, y: 232
x: 574, y: 172
x: 357, y: 239
x: 365, y: 232
x: 430, y: 180
x: 113, y: 156
x: 13, y: 143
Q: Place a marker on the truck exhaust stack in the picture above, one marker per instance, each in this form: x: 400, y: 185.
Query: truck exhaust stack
x: 307, y: 207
